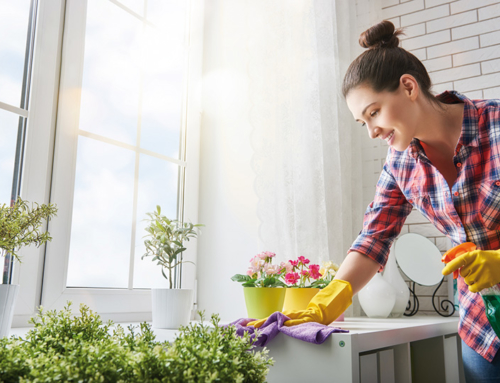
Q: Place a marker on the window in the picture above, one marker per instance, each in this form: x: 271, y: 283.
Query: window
x: 125, y: 140
x: 16, y: 48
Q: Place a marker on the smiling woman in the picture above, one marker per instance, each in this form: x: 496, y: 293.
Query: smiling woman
x: 437, y: 147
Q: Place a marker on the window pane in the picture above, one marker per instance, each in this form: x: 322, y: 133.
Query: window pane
x: 163, y: 93
x: 111, y: 72
x: 102, y: 215
x: 8, y: 132
x: 170, y: 16
x: 136, y: 6
x: 14, y: 17
x: 157, y: 186
x: 133, y: 88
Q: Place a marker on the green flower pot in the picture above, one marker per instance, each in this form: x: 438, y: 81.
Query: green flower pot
x: 263, y: 301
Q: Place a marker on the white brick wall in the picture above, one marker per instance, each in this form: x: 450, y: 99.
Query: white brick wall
x: 453, y: 47
x: 466, y: 5
x: 452, y: 21
x: 459, y: 43
x: 425, y: 15
x: 488, y: 39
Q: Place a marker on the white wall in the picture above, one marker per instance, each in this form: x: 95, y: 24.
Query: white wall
x: 228, y: 203
x: 227, y: 198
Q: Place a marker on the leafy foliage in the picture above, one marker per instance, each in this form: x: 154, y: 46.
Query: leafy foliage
x: 20, y: 225
x: 83, y: 349
x: 166, y: 241
x: 220, y: 355
x: 261, y: 281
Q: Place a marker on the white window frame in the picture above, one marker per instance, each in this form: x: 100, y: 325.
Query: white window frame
x: 38, y: 151
x: 51, y: 156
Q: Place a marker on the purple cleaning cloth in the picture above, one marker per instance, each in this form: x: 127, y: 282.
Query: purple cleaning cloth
x: 311, y: 332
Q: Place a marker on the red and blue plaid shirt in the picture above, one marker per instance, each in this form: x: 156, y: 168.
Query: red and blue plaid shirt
x: 469, y: 212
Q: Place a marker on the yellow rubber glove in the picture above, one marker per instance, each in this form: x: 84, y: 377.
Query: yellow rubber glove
x: 325, y: 307
x: 479, y: 268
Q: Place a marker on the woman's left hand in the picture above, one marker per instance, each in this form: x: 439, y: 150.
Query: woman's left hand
x: 479, y: 268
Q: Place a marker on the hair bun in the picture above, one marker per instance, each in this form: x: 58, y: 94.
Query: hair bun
x: 381, y: 35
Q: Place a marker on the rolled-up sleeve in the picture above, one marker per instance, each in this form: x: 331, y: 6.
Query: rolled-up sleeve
x: 383, y: 219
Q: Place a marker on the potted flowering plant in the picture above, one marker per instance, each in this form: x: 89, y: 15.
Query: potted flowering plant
x: 299, y: 277
x: 304, y: 280
x: 262, y: 287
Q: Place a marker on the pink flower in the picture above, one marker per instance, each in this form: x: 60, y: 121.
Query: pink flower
x: 269, y: 254
x: 304, y: 272
x: 314, y: 271
x: 250, y: 272
x: 261, y: 256
x: 304, y: 260
x: 287, y: 266
x: 294, y: 263
x: 291, y: 278
x: 256, y: 264
x: 271, y: 269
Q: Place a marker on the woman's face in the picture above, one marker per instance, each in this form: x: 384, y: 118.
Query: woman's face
x: 390, y: 116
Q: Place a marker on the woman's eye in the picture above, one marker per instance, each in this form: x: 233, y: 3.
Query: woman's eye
x: 374, y: 113
x: 363, y: 124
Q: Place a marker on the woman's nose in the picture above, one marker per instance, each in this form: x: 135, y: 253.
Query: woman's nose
x: 373, y: 132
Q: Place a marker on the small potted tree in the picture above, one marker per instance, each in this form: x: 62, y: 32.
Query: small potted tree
x: 20, y: 226
x: 171, y: 308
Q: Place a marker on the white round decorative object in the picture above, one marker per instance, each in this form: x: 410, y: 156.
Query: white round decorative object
x: 419, y: 259
x: 394, y: 277
x: 377, y: 298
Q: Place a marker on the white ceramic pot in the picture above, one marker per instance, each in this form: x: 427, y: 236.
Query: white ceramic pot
x: 377, y: 298
x: 393, y: 276
x: 8, y: 295
x: 171, y: 308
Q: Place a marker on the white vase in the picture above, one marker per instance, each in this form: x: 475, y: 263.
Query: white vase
x: 393, y: 276
x: 8, y: 295
x: 171, y: 308
x: 377, y: 298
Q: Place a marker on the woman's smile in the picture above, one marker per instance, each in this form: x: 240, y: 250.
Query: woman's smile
x: 389, y: 138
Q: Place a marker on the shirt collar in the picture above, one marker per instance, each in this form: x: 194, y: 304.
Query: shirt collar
x: 470, y: 128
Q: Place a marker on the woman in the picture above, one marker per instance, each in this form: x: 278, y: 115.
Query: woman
x: 444, y: 159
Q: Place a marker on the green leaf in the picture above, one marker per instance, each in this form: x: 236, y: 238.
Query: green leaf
x: 163, y: 273
x: 269, y: 281
x: 241, y: 278
x: 277, y: 283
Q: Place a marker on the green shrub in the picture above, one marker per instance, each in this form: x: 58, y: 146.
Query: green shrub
x: 63, y: 348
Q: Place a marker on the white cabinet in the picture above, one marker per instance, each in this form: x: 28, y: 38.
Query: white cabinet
x: 403, y: 350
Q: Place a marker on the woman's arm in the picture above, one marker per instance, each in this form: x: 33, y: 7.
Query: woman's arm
x: 358, y: 270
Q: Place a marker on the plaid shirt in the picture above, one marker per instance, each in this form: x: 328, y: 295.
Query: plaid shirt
x: 469, y: 212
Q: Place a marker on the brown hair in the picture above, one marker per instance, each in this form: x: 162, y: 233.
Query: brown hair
x: 383, y: 64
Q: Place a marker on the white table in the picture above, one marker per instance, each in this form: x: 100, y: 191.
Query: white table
x: 402, y: 350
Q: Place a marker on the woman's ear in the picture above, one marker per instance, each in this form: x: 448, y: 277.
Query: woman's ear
x: 409, y: 86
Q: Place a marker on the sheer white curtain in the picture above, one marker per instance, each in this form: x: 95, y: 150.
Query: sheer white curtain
x: 303, y: 138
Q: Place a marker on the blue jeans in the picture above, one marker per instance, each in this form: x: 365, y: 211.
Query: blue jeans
x: 477, y: 369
